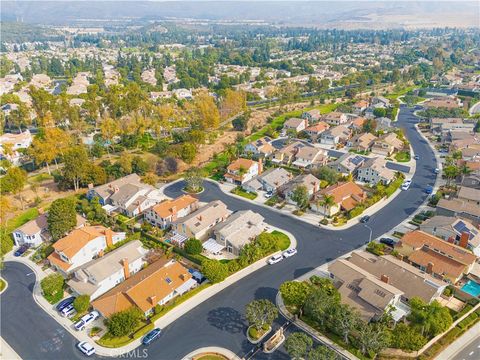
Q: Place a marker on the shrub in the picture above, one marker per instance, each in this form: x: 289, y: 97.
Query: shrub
x: 82, y: 303
x: 124, y: 322
x: 52, y: 287
x: 193, y: 246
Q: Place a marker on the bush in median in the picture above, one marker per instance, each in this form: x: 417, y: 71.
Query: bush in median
x: 52, y: 287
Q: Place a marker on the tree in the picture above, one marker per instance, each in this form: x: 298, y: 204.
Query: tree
x: 261, y: 313
x: 188, y: 152
x: 431, y: 319
x: 346, y: 318
x: 13, y: 182
x: 373, y: 337
x: 193, y: 180
x: 298, y: 345
x: 124, y: 322
x: 81, y: 303
x: 75, y: 166
x: 327, y: 174
x: 300, y: 196
x: 321, y: 301
x: 407, y: 338
x: 193, y: 246
x: 206, y: 112
x: 295, y: 292
x: 52, y: 285
x: 214, y: 270
x: 477, y: 127
x: 450, y: 172
x: 379, y: 112
x: 322, y: 353
x: 327, y: 202
x: 62, y: 217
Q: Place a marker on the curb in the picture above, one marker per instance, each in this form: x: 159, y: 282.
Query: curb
x: 212, y: 349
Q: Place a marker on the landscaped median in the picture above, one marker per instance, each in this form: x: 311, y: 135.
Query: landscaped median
x: 247, y: 195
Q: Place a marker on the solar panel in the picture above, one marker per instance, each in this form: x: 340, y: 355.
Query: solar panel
x: 357, y: 160
x: 168, y: 280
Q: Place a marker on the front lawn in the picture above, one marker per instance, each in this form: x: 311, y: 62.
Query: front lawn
x: 283, y: 241
x: 403, y: 156
x: 110, y: 341
x: 247, y: 195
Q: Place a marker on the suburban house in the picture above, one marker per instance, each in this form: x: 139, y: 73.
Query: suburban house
x: 261, y: 146
x: 242, y: 170
x: 435, y: 256
x: 335, y: 118
x: 443, y: 102
x: 383, y: 124
x: 308, y: 180
x: 382, y: 101
x: 459, y: 208
x: 387, y: 144
x: 357, y: 123
x: 82, y: 245
x: 451, y: 229
x: 335, y: 135
x: 166, y: 212
x: 345, y: 195
x: 469, y: 195
x: 100, y: 275
x: 10, y: 143
x: 365, y: 292
x: 270, y: 180
x: 348, y: 163
x: 443, y: 125
x: 374, y: 170
x: 200, y: 223
x: 35, y: 231
x: 360, y: 106
x: 309, y: 156
x: 311, y: 116
x: 157, y: 284
x: 238, y: 230
x: 314, y: 131
x: 362, y: 142
x: 286, y: 154
x: 412, y: 281
x: 295, y: 124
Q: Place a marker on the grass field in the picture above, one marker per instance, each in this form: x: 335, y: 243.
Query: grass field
x: 403, y: 156
x: 21, y: 219
x: 247, y: 195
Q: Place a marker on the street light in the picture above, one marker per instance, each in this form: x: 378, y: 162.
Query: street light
x: 369, y: 228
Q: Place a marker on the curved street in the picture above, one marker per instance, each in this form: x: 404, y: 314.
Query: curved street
x: 220, y: 320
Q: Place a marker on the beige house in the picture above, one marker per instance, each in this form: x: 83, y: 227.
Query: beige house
x: 387, y: 145
x: 362, y: 142
x: 345, y: 196
x: 374, y: 170
x: 295, y: 124
x: 335, y: 118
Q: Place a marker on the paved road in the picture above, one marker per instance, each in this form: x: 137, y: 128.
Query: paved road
x: 220, y: 320
x: 470, y: 352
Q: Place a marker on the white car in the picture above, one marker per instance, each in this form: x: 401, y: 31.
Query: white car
x: 275, y: 259
x: 69, y: 311
x: 405, y: 186
x: 86, y: 348
x: 85, y: 320
x: 268, y: 194
x: 289, y: 253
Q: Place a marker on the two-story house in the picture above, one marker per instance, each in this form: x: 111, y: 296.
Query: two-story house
x: 312, y: 116
x: 311, y: 183
x: 242, y: 170
x: 164, y: 213
x: 261, y: 146
x: 336, y: 135
x: 387, y: 144
x: 295, y: 124
x: 362, y: 142
x: 374, y: 170
x: 315, y: 130
x: 270, y: 181
x: 308, y: 157
x: 345, y: 197
x: 347, y: 164
x: 335, y: 118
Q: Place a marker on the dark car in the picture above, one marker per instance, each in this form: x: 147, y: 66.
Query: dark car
x: 388, y: 241
x: 64, y: 303
x: 151, y: 336
x: 21, y: 250
x: 416, y: 157
x: 364, y: 219
x: 429, y: 189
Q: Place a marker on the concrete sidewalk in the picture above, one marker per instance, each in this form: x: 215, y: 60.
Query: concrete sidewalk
x: 459, y: 344
x: 212, y: 350
x: 6, y: 352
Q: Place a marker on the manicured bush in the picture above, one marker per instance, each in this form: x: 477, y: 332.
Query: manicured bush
x: 193, y: 246
x: 52, y: 287
x: 124, y: 322
x: 82, y: 303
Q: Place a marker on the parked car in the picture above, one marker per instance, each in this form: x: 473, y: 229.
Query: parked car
x: 268, y: 194
x: 406, y: 184
x: 151, y: 336
x: 416, y: 157
x: 85, y: 320
x: 388, y: 241
x: 436, y: 171
x: 197, y: 276
x: 289, y: 253
x: 275, y: 259
x: 86, y: 348
x: 64, y: 303
x: 69, y: 311
x: 364, y: 219
x: 21, y: 250
x: 429, y: 189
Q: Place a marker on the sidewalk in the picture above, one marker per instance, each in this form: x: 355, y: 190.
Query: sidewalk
x: 459, y: 344
x: 212, y: 350
x: 6, y: 352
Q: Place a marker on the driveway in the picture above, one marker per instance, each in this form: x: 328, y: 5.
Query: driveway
x: 220, y: 321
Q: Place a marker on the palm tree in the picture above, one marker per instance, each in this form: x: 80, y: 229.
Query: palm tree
x: 464, y: 170
x: 327, y: 202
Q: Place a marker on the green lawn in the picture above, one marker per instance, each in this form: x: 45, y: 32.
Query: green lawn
x: 247, y: 195
x: 40, y: 178
x: 21, y: 219
x: 403, y: 156
x: 283, y: 241
x: 110, y: 341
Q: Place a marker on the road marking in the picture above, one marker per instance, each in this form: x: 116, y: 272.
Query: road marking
x: 471, y: 353
x: 30, y: 273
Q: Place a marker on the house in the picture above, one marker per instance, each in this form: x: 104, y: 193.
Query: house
x: 168, y: 211
x: 364, y: 291
x: 451, y: 229
x: 100, y: 275
x: 443, y: 102
x: 286, y: 154
x: 200, y: 223
x: 308, y: 157
x: 374, y: 170
x: 348, y: 163
x: 311, y: 116
x: 261, y: 146
x: 308, y: 180
x: 35, y: 231
x: 469, y: 195
x: 183, y: 94
x: 387, y: 144
x: 270, y: 181
x: 412, y: 281
x: 336, y: 135
x: 157, y: 284
x: 362, y: 142
x: 82, y: 245
x: 383, y: 124
x: 444, y: 125
x: 356, y: 123
x: 10, y: 144
x: 314, y: 131
x: 105, y: 191
x: 133, y: 199
x: 335, y: 118
x: 345, y: 195
x: 382, y: 101
x: 360, y: 106
x: 242, y: 170
x: 459, y: 208
x: 295, y: 124
x: 238, y: 230
x: 436, y: 257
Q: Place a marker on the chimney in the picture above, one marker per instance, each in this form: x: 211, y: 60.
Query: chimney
x: 126, y: 268
x: 115, y: 190
x: 182, y: 277
x: 199, y: 218
x: 260, y: 166
x: 464, y: 240
x: 385, y: 278
x: 153, y: 299
x: 109, y: 237
x: 173, y: 209
x: 430, y: 268
x: 451, y: 240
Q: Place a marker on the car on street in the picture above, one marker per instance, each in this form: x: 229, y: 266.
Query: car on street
x: 289, y: 253
x: 429, y: 189
x: 21, y: 250
x: 64, y: 303
x: 86, y: 348
x: 436, y: 171
x: 69, y: 311
x: 416, y: 157
x: 151, y: 336
x: 268, y: 194
x: 364, y: 219
x: 275, y: 259
x: 85, y: 320
x: 406, y: 184
x: 388, y: 241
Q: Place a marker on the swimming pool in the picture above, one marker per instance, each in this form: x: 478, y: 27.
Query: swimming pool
x: 472, y: 288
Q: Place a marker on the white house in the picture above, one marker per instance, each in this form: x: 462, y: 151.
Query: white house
x: 22, y: 140
x: 164, y: 213
x: 242, y: 170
